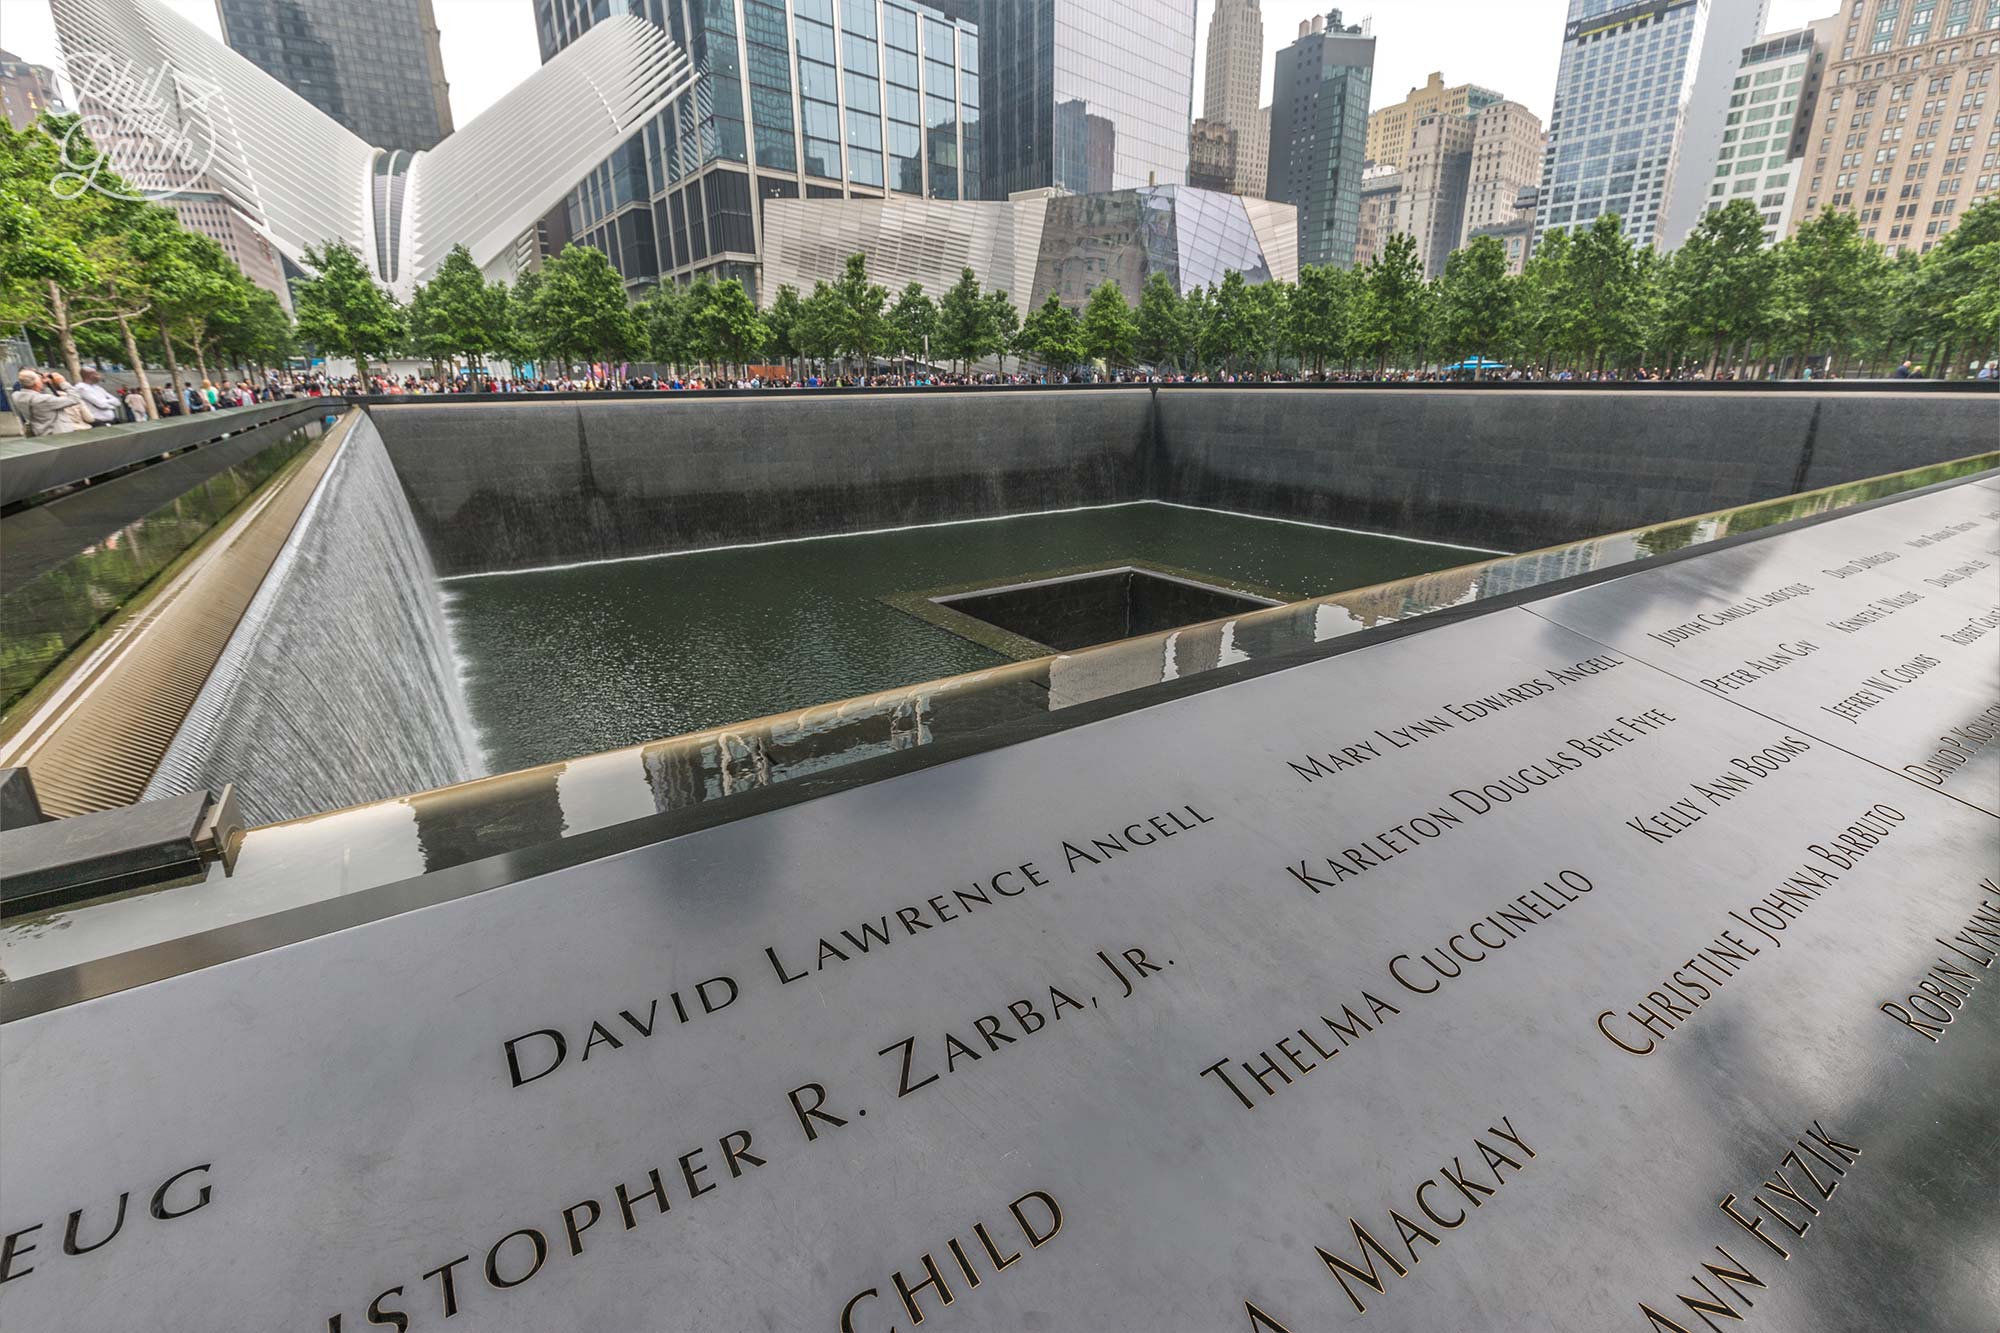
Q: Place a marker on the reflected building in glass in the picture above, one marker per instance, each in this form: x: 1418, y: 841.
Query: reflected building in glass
x: 1041, y: 243
x: 811, y: 99
x: 1084, y: 95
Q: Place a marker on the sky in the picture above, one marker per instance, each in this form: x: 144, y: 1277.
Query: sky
x: 1510, y: 45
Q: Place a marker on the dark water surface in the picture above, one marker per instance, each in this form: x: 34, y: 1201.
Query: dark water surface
x: 571, y: 661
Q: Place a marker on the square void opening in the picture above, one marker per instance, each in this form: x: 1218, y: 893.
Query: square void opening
x: 1101, y: 606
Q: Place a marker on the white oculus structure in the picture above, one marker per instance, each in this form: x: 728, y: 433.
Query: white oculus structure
x: 177, y: 112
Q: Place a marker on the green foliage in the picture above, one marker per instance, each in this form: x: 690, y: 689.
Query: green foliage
x: 458, y: 315
x: 782, y: 319
x: 816, y: 332
x: 579, y: 311
x: 1160, y: 328
x: 1830, y: 285
x: 44, y: 239
x: 1271, y: 313
x: 1109, y: 330
x: 999, y: 325
x: 1475, y: 298
x: 1719, y: 286
x: 860, y: 323
x: 340, y: 308
x: 913, y: 320
x: 1321, y: 310
x: 723, y: 322
x: 663, y: 324
x: 962, y: 334
x: 1235, y: 333
x: 1390, y: 318
x: 1053, y: 335
x: 1957, y: 292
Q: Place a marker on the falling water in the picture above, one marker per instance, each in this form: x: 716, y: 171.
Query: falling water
x: 340, y: 685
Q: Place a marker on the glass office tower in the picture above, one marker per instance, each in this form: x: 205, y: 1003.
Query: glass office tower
x: 1084, y: 95
x: 1626, y: 93
x: 372, y: 65
x: 815, y: 99
x: 1319, y: 135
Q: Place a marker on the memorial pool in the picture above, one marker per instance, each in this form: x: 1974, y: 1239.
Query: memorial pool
x: 591, y: 657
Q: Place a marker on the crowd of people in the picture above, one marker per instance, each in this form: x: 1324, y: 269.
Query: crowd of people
x: 48, y: 404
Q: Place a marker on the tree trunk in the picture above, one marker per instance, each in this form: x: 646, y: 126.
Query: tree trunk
x: 138, y: 363
x: 174, y: 374
x: 65, y: 336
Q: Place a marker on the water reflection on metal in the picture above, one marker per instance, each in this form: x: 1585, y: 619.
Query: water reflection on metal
x: 324, y: 856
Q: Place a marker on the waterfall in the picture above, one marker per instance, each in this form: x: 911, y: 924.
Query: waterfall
x: 340, y: 685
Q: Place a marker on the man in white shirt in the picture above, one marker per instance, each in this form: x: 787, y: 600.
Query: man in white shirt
x: 101, y: 402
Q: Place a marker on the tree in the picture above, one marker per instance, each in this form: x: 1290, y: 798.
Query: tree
x: 1958, y: 291
x: 1159, y: 323
x: 198, y: 292
x: 67, y: 263
x: 1543, y: 326
x: 724, y: 322
x: 1319, y: 312
x: 817, y: 329
x: 1053, y: 335
x: 782, y: 319
x: 860, y: 324
x: 1233, y: 330
x: 1475, y: 299
x: 663, y: 319
x: 1829, y: 283
x: 263, y: 336
x: 1271, y: 314
x: 457, y: 315
x: 340, y: 307
x: 1719, y: 284
x: 1391, y: 318
x: 962, y: 321
x: 580, y: 311
x: 1108, y: 327
x: 1606, y: 286
x: 524, y: 339
x: 999, y: 325
x: 913, y: 321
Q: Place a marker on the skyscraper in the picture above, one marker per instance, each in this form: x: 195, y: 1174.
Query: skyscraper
x: 1461, y: 166
x: 1624, y: 88
x: 1732, y: 26
x: 815, y: 100
x: 26, y: 91
x: 1907, y: 131
x: 372, y: 65
x: 1084, y: 95
x: 1389, y: 128
x: 1319, y: 131
x: 1769, y: 126
x: 1230, y: 93
x: 1506, y: 159
x: 1437, y: 166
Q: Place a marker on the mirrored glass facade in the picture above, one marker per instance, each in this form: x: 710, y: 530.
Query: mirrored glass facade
x: 1085, y: 95
x: 1031, y: 247
x: 372, y: 65
x: 793, y: 99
